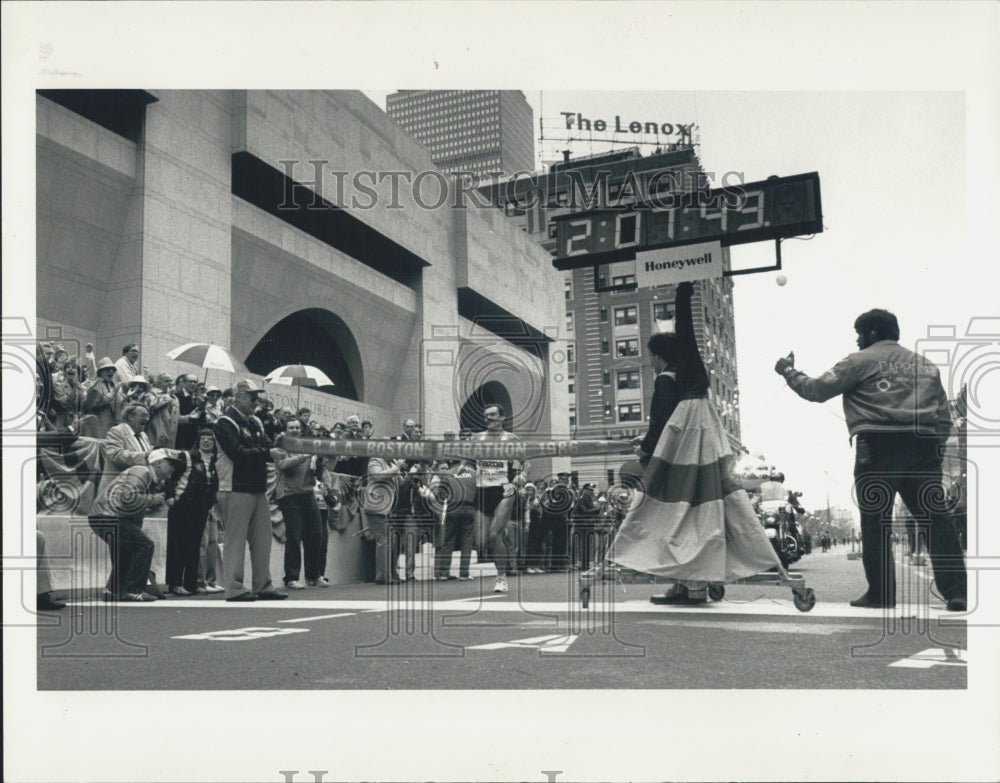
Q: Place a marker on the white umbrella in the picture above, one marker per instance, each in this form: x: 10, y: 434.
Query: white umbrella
x: 299, y: 375
x: 209, y: 356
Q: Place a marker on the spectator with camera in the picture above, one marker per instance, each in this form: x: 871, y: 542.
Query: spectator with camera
x: 116, y: 517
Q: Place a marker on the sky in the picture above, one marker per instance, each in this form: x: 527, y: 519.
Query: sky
x: 893, y: 180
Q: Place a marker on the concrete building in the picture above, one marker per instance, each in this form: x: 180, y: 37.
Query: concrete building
x: 484, y: 132
x: 258, y: 220
x: 608, y: 318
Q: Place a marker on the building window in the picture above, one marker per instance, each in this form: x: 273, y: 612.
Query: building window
x: 625, y: 348
x: 572, y: 384
x: 569, y: 323
x: 625, y: 315
x: 663, y: 311
x: 628, y: 379
x: 631, y: 411
x: 621, y: 280
x: 606, y: 378
x: 570, y: 354
x: 605, y: 346
x: 569, y: 288
x: 604, y: 315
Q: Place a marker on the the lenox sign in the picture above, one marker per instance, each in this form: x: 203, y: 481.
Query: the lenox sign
x: 576, y: 121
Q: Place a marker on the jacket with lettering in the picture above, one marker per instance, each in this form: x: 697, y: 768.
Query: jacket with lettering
x: 244, y: 451
x: 886, y: 388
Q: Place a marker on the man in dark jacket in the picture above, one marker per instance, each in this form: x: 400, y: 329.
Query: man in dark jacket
x: 897, y: 411
x: 244, y: 451
x: 190, y: 498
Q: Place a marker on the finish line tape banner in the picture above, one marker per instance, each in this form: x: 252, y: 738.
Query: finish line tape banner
x: 431, y: 450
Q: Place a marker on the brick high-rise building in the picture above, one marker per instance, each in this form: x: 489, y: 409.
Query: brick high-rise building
x: 610, y: 379
x: 484, y: 132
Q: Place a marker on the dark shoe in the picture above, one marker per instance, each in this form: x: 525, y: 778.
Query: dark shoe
x: 180, y: 592
x: 953, y: 605
x: 243, y: 597
x: 272, y: 595
x: 866, y: 602
x: 46, y: 603
x: 676, y: 596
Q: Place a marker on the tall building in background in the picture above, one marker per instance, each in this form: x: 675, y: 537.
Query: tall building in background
x: 479, y: 131
x: 609, y: 319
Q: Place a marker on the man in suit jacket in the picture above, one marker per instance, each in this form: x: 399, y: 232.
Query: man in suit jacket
x: 126, y: 444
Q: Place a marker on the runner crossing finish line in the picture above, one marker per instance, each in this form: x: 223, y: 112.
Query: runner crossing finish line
x: 429, y: 450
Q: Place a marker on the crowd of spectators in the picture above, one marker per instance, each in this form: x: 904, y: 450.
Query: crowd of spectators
x: 399, y: 505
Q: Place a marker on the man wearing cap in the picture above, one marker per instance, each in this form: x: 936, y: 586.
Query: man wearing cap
x: 214, y: 407
x: 99, y: 402
x: 244, y: 451
x: 116, y: 517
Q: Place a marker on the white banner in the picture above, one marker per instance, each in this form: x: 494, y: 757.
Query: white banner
x: 678, y: 264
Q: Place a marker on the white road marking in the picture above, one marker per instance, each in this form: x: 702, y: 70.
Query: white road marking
x: 242, y: 634
x: 318, y: 617
x: 762, y: 607
x: 556, y: 643
x: 935, y: 656
x: 814, y: 629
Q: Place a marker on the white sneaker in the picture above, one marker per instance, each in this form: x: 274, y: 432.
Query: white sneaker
x: 324, y: 582
x: 215, y: 589
x: 500, y: 585
x: 295, y: 586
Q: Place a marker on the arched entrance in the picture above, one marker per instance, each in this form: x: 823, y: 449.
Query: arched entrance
x: 489, y: 393
x: 317, y: 337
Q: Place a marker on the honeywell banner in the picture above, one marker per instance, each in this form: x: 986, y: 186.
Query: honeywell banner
x: 678, y: 264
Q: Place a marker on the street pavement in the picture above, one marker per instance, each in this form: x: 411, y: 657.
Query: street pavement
x: 460, y: 635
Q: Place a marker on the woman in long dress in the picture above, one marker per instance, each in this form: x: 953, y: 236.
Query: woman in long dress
x: 691, y: 520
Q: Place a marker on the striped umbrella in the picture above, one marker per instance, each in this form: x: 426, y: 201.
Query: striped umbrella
x: 209, y: 356
x: 299, y: 375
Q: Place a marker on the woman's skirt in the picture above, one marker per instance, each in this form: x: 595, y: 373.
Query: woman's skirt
x: 691, y: 518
